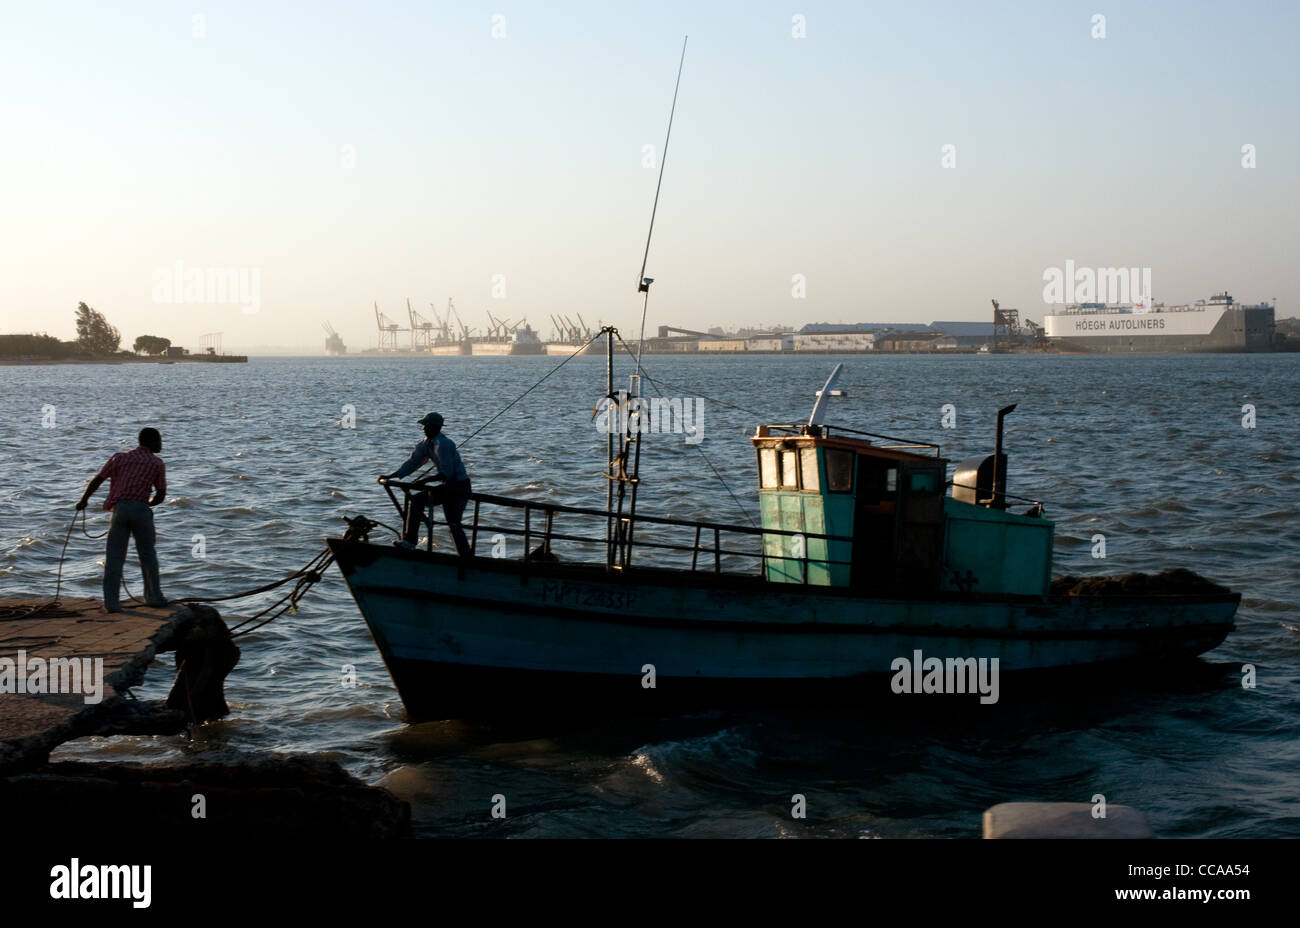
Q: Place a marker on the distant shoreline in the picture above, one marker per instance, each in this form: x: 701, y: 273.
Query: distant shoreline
x: 243, y: 359
x: 41, y: 362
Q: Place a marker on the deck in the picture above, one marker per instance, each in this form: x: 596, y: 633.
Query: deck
x: 31, y: 725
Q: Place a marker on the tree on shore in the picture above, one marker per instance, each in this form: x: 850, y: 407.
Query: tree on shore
x: 151, y: 344
x: 35, y: 346
x: 94, y: 334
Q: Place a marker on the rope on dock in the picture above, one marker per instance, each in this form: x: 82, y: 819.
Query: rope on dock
x: 306, y: 577
x: 49, y: 609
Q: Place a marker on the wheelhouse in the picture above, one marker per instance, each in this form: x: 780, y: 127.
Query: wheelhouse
x: 894, y: 528
x: 887, y: 498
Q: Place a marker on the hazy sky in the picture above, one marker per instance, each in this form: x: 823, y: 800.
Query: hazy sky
x: 341, y: 153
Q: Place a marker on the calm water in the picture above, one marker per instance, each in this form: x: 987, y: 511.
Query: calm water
x: 1149, y: 451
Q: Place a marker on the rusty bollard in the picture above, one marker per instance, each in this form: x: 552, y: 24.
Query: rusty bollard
x: 205, y: 653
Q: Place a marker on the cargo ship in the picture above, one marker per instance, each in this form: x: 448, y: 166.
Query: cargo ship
x: 519, y: 340
x: 1219, y: 324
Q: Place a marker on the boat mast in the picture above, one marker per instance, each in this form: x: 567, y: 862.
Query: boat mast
x: 630, y: 436
x: 611, y: 472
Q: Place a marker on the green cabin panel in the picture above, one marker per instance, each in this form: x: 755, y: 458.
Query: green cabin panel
x: 995, y: 551
x: 808, y: 512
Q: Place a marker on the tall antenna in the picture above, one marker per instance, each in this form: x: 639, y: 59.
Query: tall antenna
x: 643, y: 282
x: 619, y: 531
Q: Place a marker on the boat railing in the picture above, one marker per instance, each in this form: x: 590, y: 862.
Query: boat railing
x: 714, y: 547
x: 894, y: 442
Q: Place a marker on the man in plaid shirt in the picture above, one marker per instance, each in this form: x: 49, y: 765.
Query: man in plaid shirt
x: 132, y: 475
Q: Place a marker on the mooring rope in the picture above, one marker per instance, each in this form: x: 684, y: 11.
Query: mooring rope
x: 48, y: 608
x: 58, y: 583
x: 85, y: 531
x: 307, y: 576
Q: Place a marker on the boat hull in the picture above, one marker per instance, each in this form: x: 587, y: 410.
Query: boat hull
x: 492, y: 637
x: 453, y: 349
x: 557, y: 349
x: 1207, y: 330
x: 507, y: 348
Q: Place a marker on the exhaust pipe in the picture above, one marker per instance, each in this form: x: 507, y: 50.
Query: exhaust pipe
x: 999, y: 472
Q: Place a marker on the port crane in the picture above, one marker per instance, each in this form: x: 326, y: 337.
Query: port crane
x: 1010, y: 330
x: 422, y: 330
x: 334, y: 343
x: 570, y: 333
x: 501, y: 328
x: 388, y: 330
x: 451, y: 312
x: 442, y: 326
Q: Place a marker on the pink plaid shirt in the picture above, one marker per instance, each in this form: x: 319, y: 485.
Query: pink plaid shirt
x: 132, y: 475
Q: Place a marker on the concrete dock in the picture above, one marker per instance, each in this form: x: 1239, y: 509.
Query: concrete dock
x: 33, y: 724
x: 285, y: 795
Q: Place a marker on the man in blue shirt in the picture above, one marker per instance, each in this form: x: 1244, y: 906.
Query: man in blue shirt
x: 452, y: 495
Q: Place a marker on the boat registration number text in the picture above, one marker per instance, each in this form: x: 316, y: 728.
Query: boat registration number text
x: 578, y: 594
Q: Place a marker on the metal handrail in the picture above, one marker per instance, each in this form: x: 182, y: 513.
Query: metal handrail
x: 549, y: 534
x: 665, y: 546
x: 580, y: 510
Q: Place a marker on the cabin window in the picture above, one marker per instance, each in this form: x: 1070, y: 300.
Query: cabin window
x: 808, y: 458
x: 789, y: 469
x: 839, y: 470
x: 891, y: 480
x: 767, y: 468
x: 924, y: 482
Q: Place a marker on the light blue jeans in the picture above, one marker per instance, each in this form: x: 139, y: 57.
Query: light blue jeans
x: 131, y: 518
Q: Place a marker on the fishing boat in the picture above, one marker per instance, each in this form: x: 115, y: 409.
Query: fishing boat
x: 867, y: 552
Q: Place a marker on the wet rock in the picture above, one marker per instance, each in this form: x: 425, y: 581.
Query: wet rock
x: 291, y: 796
x: 410, y: 784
